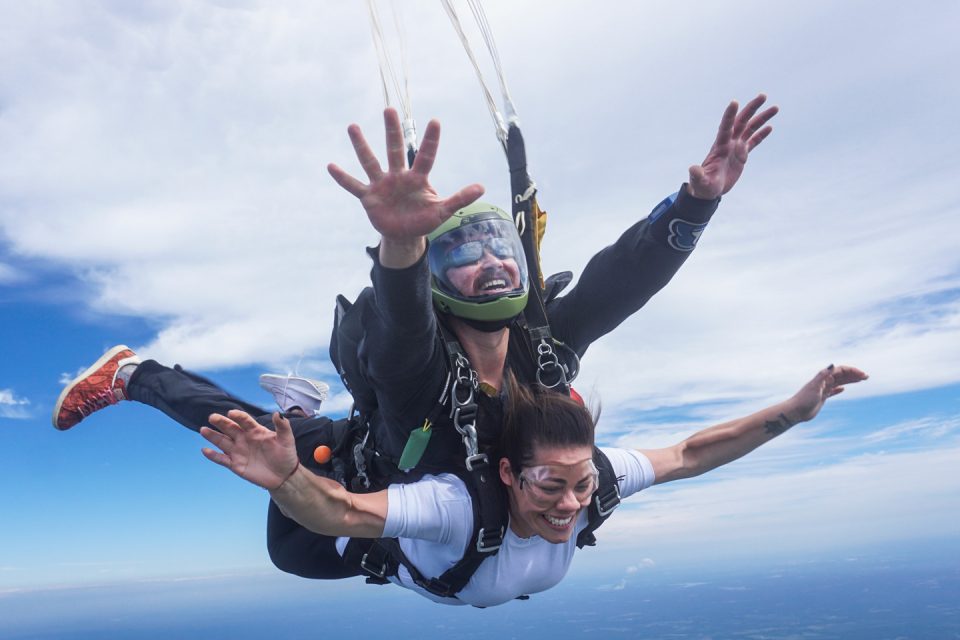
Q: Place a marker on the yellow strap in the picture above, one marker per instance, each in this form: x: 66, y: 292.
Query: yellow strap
x: 540, y: 228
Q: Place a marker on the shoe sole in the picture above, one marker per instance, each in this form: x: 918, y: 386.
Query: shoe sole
x: 66, y: 391
x: 279, y: 383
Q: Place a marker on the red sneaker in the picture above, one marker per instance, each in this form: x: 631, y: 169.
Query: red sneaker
x: 94, y: 389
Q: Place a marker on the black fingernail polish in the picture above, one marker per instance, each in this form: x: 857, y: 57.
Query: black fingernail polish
x: 830, y: 368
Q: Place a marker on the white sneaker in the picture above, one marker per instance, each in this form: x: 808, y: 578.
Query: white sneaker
x: 294, y: 391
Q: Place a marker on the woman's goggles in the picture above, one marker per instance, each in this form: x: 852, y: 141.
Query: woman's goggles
x: 547, y: 484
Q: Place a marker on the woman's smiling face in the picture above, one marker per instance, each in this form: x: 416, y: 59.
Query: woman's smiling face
x: 547, y: 495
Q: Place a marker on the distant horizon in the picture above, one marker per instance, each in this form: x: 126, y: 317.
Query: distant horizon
x: 871, y: 599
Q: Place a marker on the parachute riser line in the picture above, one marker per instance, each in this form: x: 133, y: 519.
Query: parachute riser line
x: 389, y: 78
x: 501, y: 124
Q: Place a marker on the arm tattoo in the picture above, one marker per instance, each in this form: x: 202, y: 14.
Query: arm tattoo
x: 778, y: 426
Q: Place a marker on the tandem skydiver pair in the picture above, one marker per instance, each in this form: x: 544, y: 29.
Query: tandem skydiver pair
x: 439, y: 330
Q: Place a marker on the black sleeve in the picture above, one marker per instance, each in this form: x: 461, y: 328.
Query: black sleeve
x: 624, y: 276
x: 400, y: 352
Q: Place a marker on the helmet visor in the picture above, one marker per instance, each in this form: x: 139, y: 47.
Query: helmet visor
x: 480, y: 260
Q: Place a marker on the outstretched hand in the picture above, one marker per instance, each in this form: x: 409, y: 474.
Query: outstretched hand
x: 400, y: 202
x: 250, y: 450
x: 807, y: 402
x: 740, y: 132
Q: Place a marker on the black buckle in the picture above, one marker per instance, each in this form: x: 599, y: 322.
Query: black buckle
x: 438, y: 588
x: 607, y: 501
x: 382, y: 560
x: 488, y: 542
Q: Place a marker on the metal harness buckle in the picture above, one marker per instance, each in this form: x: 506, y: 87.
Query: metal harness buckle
x: 476, y: 460
x: 488, y: 542
x: 608, y: 501
x: 379, y: 573
x: 549, y: 363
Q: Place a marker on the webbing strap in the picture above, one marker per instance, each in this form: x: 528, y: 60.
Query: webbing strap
x: 380, y: 559
x: 490, y: 518
x: 605, y: 499
x: 550, y: 372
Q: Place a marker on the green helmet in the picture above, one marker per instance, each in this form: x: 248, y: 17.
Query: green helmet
x: 478, y: 265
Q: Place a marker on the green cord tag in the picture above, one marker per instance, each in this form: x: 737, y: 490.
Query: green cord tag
x: 416, y: 445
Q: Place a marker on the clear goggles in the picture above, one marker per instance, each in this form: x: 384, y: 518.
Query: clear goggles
x: 547, y: 484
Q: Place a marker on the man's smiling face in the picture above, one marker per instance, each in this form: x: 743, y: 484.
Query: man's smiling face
x: 484, y: 266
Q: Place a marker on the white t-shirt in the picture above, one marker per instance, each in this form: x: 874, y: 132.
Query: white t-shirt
x: 434, y: 520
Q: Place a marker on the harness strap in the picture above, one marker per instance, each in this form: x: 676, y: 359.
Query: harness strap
x: 605, y: 499
x: 381, y: 558
x: 550, y: 372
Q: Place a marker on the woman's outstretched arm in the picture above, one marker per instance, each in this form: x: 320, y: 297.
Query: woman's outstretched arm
x: 716, y: 446
x: 268, y: 459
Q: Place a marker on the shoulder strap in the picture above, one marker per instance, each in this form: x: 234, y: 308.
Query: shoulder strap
x: 345, y: 341
x: 550, y: 371
x: 381, y: 558
x: 605, y: 499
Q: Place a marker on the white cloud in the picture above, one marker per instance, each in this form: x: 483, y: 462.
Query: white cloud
x: 617, y: 586
x: 920, y: 428
x: 12, y: 406
x: 178, y: 171
x: 814, y: 445
x: 645, y: 563
x: 867, y: 499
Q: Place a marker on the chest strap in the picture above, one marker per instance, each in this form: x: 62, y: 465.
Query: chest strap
x: 381, y: 558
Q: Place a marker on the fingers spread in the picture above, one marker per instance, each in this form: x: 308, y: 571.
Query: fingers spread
x: 743, y: 118
x: 427, y: 154
x: 243, y: 419
x: 396, y: 160
x: 847, y: 375
x: 347, y: 181
x: 726, y: 123
x: 461, y: 198
x: 225, y: 425
x: 216, y: 438
x: 215, y: 456
x: 283, y: 429
x: 368, y: 160
x: 762, y: 119
x: 757, y: 138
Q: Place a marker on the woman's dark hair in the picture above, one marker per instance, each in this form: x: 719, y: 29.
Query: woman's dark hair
x: 537, y: 417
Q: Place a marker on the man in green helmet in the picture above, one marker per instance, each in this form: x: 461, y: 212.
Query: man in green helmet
x: 478, y: 266
x: 463, y: 259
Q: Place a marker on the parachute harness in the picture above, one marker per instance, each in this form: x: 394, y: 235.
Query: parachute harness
x: 381, y: 558
x: 463, y: 409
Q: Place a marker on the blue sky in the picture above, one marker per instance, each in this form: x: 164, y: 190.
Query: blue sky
x: 163, y: 185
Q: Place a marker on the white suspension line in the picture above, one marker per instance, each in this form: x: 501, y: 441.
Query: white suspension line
x: 498, y: 122
x: 388, y: 76
x: 478, y: 14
